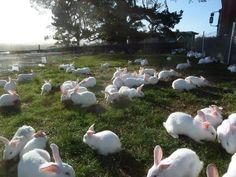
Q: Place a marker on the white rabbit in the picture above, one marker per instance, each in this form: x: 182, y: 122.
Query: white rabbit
x: 149, y: 71
x: 10, y: 85
x: 37, y: 142
x: 165, y: 74
x: 226, y: 134
x: 46, y: 87
x: 37, y: 163
x: 66, y: 89
x: 111, y: 96
x: 213, y: 115
x: 111, y: 88
x: 44, y: 60
x: 130, y: 62
x: 138, y: 61
x: 232, y: 68
x: 205, y: 60
x: 181, y: 84
x: 111, y: 93
x: 198, y: 81
x: 118, y: 72
x: 232, y: 119
x: 118, y: 82
x: 67, y: 85
x: 105, y: 142
x: 169, y: 58
x: 2, y: 83
x: 26, y: 77
x: 124, y: 76
x: 65, y: 66
x: 88, y: 82
x: 231, y: 172
x: 105, y: 66
x: 152, y: 79
x: 84, y: 70
x: 183, y: 65
x: 9, y: 99
x: 144, y: 62
x: 16, y: 144
x: 70, y: 69
x: 182, y: 163
x: 84, y: 99
x: 133, y: 82
x: 131, y: 92
x: 179, y: 123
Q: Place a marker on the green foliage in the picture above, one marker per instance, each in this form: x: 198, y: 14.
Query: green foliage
x: 138, y: 123
x: 112, y: 21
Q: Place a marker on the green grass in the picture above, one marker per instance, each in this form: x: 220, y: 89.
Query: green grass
x: 138, y: 123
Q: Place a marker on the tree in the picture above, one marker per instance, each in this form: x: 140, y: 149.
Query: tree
x: 122, y: 19
x: 113, y: 21
x: 72, y: 21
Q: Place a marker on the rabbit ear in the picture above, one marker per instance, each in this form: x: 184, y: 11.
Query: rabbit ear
x: 63, y: 91
x: 139, y: 89
x: 164, y: 166
x: 190, y: 81
x: 51, y: 168
x: 214, y: 113
x: 212, y: 171
x: 4, y: 140
x: 55, y: 153
x: 76, y: 89
x: 216, y: 108
x: 90, y: 130
x: 14, y: 143
x: 202, y: 116
x: 39, y: 133
x: 232, y: 129
x: 12, y: 92
x: 203, y: 78
x: 157, y: 155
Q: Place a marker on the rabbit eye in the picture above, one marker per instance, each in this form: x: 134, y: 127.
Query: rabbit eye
x: 10, y: 153
x: 212, y: 133
x: 67, y: 173
x: 227, y: 143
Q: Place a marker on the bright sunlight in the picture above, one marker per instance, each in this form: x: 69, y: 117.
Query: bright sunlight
x: 21, y: 24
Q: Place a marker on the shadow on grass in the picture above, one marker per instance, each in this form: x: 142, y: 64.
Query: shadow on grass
x: 122, y: 102
x: 211, y: 92
x: 122, y: 164
x: 95, y: 109
x: 10, y: 110
x: 9, y: 168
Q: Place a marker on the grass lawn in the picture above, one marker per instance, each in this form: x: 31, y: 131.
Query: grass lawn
x: 138, y: 123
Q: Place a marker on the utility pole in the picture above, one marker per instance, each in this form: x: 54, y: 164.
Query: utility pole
x: 203, y: 43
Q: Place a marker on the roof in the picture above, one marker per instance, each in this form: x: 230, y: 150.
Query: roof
x: 188, y: 32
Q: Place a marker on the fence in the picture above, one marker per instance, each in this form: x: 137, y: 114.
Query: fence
x: 160, y: 47
x: 223, y: 47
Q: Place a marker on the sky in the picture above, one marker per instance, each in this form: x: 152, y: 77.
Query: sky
x: 196, y: 15
x: 21, y: 24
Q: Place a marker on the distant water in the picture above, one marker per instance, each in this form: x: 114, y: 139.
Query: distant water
x: 9, y: 62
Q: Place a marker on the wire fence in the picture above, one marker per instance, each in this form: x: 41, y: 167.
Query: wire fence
x: 222, y: 47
